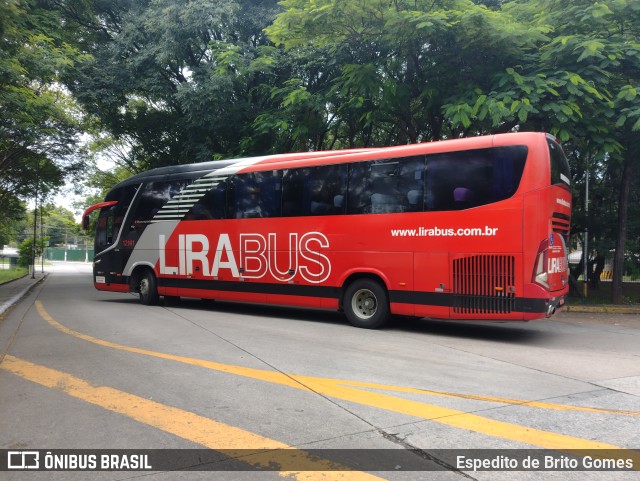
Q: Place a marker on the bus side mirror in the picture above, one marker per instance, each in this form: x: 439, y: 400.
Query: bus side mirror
x: 85, y: 222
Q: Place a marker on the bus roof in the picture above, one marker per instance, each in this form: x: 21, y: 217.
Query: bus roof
x: 300, y: 159
x: 206, y: 167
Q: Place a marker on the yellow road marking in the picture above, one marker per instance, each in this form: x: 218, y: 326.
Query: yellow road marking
x: 231, y: 441
x: 517, y: 402
x: 340, y: 389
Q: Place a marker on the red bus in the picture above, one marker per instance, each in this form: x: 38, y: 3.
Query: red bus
x: 470, y: 228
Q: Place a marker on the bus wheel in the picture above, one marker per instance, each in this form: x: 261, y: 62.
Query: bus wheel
x: 149, y: 289
x: 365, y: 304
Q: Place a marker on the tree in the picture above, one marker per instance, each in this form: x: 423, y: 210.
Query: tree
x: 172, y: 80
x: 27, y: 253
x: 38, y: 120
x: 12, y: 219
x: 60, y: 226
x: 417, y: 70
x: 601, y: 49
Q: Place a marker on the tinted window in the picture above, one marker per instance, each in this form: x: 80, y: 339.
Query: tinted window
x: 560, y: 173
x: 212, y: 205
x: 459, y: 180
x: 257, y: 194
x: 386, y: 186
x: 104, y: 229
x: 314, y: 190
x: 152, y: 198
x: 111, y: 218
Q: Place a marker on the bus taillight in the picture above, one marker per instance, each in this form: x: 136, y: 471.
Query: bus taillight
x: 541, y: 273
x: 551, y: 267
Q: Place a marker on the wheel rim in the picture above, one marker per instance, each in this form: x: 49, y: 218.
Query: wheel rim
x: 364, y: 303
x: 144, y: 287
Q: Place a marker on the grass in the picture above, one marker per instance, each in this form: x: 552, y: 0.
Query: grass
x: 7, y: 275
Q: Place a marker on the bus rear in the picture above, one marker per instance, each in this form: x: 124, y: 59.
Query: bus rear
x: 547, y: 212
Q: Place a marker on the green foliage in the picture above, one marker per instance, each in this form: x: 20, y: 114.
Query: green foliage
x: 413, y: 70
x: 12, y: 218
x: 38, y: 119
x: 27, y: 253
x: 175, y: 80
x: 60, y: 226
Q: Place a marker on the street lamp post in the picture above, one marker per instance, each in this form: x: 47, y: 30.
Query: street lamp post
x: 586, y: 236
x: 41, y: 241
x: 33, y: 250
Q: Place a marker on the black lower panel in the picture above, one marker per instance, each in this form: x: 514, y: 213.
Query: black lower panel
x: 329, y: 292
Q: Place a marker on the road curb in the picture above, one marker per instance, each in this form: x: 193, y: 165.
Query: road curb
x: 603, y: 309
x: 4, y: 307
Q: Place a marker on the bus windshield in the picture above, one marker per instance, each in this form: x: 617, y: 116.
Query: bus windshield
x: 112, y: 217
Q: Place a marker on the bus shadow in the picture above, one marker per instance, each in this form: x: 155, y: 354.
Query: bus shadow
x: 504, y: 332
x: 261, y: 310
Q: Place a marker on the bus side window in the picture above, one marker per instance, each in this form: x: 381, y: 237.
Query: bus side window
x: 360, y: 191
x: 508, y: 165
x: 212, y: 205
x: 314, y: 190
x: 560, y: 172
x: 386, y: 186
x: 327, y: 189
x: 411, y: 183
x: 152, y: 198
x: 255, y: 195
x: 294, y: 194
x: 464, y: 179
x: 451, y: 183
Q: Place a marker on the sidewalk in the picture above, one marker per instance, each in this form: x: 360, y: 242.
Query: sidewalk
x: 11, y: 292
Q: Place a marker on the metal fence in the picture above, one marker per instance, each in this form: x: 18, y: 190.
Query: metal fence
x: 69, y: 255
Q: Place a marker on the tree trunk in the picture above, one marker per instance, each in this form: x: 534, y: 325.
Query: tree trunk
x: 623, y: 209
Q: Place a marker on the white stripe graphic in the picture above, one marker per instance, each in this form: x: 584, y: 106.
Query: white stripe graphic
x: 166, y: 220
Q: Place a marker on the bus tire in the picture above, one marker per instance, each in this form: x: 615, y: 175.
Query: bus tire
x: 365, y: 304
x: 148, y: 288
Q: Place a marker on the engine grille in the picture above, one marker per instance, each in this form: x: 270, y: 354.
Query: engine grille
x: 484, y: 284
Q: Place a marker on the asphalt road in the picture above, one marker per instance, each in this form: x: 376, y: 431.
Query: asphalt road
x: 83, y: 369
